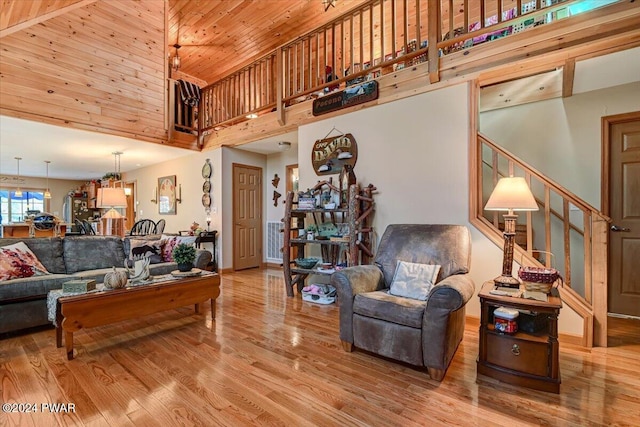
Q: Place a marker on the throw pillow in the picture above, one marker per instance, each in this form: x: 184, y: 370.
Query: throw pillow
x: 171, y: 242
x: 151, y: 249
x: 413, y: 280
x: 18, y: 261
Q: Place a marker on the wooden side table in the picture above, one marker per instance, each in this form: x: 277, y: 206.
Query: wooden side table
x: 528, y: 359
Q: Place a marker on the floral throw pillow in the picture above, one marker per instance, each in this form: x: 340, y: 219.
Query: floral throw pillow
x: 171, y: 242
x: 17, y: 261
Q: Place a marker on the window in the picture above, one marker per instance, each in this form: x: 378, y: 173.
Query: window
x: 15, y: 209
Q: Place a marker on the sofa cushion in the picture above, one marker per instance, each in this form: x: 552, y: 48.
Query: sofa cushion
x: 92, y: 252
x: 31, y: 287
x: 383, y: 306
x: 18, y: 261
x: 48, y: 250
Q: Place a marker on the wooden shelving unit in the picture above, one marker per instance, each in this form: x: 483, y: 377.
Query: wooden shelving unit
x: 356, y: 246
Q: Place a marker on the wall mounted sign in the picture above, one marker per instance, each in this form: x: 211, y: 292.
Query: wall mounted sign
x: 349, y: 97
x: 330, y: 154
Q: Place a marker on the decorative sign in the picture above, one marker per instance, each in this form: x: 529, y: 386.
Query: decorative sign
x: 349, y: 97
x: 329, y: 155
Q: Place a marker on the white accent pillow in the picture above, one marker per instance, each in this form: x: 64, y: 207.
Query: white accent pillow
x: 413, y: 280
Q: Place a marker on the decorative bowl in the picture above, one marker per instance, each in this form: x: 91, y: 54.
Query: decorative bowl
x: 307, y: 263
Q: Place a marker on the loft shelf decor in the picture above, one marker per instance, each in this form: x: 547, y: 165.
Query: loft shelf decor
x: 351, y: 245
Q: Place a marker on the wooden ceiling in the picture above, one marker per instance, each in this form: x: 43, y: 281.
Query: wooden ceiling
x: 221, y: 36
x: 101, y: 65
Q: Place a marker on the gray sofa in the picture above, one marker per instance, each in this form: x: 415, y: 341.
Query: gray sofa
x: 23, y: 302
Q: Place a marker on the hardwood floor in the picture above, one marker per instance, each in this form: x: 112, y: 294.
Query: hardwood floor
x: 274, y: 360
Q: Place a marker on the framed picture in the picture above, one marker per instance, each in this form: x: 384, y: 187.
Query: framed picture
x: 167, y: 195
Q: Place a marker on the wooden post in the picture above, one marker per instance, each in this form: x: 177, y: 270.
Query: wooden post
x: 433, y: 36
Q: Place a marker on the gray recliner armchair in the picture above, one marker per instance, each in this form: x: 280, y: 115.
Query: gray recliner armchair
x: 421, y: 333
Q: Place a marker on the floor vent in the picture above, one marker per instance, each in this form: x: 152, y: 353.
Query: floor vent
x: 275, y: 241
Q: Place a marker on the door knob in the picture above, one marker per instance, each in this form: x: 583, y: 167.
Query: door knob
x: 618, y: 229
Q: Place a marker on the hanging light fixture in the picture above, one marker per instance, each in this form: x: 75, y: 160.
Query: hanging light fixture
x: 47, y: 193
x: 18, y: 192
x: 175, y: 60
x: 111, y: 198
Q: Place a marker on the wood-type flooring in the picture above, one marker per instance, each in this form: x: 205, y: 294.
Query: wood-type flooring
x: 274, y: 360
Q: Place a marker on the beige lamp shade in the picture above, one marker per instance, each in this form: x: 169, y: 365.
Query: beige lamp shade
x: 511, y: 194
x: 111, y: 198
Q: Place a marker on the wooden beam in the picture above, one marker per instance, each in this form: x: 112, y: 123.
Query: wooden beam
x: 568, y: 74
x: 42, y: 18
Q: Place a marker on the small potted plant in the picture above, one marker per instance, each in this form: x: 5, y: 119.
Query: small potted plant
x: 184, y: 255
x: 312, y: 229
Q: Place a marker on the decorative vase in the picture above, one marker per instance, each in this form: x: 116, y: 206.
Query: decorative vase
x: 185, y: 267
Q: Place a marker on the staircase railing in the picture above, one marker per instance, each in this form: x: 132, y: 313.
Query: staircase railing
x: 566, y: 226
x: 376, y: 38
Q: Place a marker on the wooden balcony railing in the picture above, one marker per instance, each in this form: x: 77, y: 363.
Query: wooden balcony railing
x: 566, y: 226
x: 376, y: 38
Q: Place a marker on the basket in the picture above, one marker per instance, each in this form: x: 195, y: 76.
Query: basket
x: 539, y: 279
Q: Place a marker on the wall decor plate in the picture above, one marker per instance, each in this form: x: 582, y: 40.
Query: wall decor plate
x: 207, y: 170
x: 206, y: 187
x: 206, y: 200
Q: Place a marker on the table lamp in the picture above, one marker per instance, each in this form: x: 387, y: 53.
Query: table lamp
x: 511, y: 194
x: 111, y: 198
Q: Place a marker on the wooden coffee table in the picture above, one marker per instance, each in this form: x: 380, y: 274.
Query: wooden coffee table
x: 88, y: 310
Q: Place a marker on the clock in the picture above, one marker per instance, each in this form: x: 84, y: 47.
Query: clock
x: 206, y: 170
x: 206, y: 187
x: 206, y: 200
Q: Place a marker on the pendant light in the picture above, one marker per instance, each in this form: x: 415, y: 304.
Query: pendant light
x: 18, y: 192
x: 47, y: 193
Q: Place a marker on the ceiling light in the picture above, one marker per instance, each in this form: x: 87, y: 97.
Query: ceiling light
x: 176, y: 61
x: 47, y: 193
x: 284, y: 145
x: 18, y: 192
x: 252, y: 116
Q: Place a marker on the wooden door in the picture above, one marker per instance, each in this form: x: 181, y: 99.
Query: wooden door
x: 624, y: 210
x: 130, y: 192
x: 247, y: 216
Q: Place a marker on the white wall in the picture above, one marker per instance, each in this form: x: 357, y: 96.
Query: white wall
x: 188, y: 171
x: 562, y: 137
x: 415, y: 152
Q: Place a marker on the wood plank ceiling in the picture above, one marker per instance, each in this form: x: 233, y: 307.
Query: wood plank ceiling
x: 101, y: 65
x: 221, y: 36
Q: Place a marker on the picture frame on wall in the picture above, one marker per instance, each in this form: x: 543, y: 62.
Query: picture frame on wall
x: 167, y: 195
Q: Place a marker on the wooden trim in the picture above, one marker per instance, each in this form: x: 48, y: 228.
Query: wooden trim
x: 568, y: 74
x: 45, y: 17
x: 272, y: 265
x: 226, y: 270
x: 571, y: 339
x: 600, y: 284
x: 279, y: 88
x: 434, y: 35
x: 475, y: 182
x: 607, y: 122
